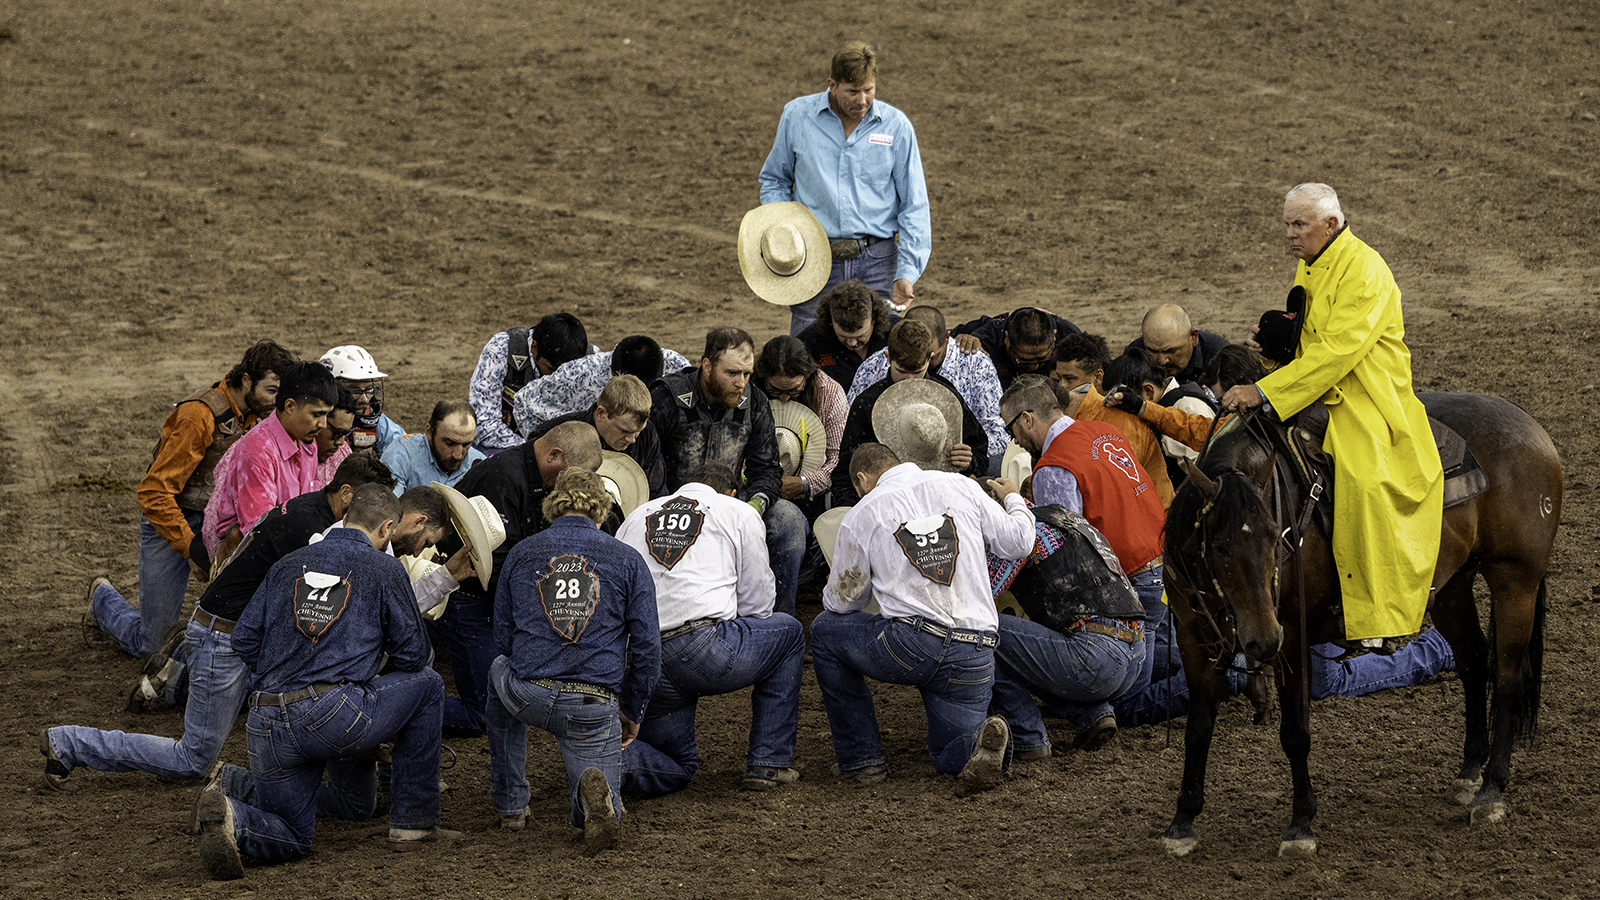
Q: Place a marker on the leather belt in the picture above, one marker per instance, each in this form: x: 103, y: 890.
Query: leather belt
x: 685, y: 628
x: 212, y: 622
x: 964, y: 635
x: 850, y: 248
x: 1152, y: 564
x: 321, y: 687
x: 573, y: 687
x: 1116, y: 628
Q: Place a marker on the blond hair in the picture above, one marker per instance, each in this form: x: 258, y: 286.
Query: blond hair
x: 577, y: 491
x: 625, y: 395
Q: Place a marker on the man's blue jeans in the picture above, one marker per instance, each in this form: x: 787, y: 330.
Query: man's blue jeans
x: 218, y: 681
x: 1149, y: 586
x: 786, y: 550
x: 291, y: 745
x: 587, y: 728
x: 875, y: 266
x: 351, y: 791
x: 468, y: 629
x: 1076, y: 674
x: 954, y: 677
x: 717, y: 659
x: 163, y: 579
x: 1414, y: 663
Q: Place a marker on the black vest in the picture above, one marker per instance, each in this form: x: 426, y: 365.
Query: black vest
x: 1083, y: 578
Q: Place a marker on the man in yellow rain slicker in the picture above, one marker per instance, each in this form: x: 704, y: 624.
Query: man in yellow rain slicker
x: 1389, y: 488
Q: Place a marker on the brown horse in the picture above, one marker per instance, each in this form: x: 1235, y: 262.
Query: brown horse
x: 1235, y: 584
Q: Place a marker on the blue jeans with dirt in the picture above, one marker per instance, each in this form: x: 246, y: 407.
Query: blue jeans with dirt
x: 955, y: 678
x: 163, y: 579
x: 1076, y: 674
x: 218, y: 681
x: 587, y: 728
x: 291, y: 745
x: 768, y: 654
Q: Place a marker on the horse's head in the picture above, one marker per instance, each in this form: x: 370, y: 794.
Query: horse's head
x: 1222, y: 537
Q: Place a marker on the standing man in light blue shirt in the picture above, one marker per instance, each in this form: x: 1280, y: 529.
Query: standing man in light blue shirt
x: 855, y: 164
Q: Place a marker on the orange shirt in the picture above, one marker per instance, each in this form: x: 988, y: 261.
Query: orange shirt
x: 185, y: 437
x: 1142, y: 441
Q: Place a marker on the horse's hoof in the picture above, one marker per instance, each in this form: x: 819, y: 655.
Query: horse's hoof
x: 1304, y: 848
x: 1180, y: 846
x: 1489, y: 813
x: 1463, y: 791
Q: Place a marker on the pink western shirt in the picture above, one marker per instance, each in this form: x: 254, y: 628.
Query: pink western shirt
x: 264, y: 468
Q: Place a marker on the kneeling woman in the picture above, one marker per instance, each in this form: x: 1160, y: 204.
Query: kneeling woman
x: 573, y: 603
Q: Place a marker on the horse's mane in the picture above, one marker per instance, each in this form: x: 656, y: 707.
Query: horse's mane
x: 1231, y: 452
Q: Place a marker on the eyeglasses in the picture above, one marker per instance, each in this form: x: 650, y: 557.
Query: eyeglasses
x: 1032, y: 362
x: 781, y: 394
x: 340, y: 434
x: 1013, y: 423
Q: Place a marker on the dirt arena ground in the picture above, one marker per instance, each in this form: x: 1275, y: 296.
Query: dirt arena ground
x: 178, y: 179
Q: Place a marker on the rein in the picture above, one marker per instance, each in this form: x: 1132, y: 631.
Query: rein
x: 1290, y: 540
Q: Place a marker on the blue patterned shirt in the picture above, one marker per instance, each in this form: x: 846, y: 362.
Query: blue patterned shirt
x: 574, y: 387
x: 974, y: 379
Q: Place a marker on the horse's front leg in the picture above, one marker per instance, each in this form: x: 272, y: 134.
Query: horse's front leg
x: 1208, y: 686
x: 1294, y: 732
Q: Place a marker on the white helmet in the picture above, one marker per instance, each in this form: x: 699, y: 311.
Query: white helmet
x: 352, y: 362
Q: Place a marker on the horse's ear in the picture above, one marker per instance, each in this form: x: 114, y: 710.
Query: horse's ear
x: 1207, y: 489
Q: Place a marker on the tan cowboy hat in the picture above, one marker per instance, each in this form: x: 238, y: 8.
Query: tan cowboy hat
x: 624, y: 480
x: 1017, y: 464
x: 802, y: 442
x: 479, y: 525
x: 920, y: 420
x: 783, y: 253
x: 826, y: 528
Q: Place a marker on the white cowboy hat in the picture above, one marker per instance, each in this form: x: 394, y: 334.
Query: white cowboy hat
x: 783, y: 253
x: 1017, y: 464
x: 418, y: 567
x: 826, y: 529
x: 920, y: 420
x: 478, y: 523
x: 624, y: 480
x: 802, y: 442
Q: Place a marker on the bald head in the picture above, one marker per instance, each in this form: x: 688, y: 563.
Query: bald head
x: 568, y: 444
x: 1169, y: 337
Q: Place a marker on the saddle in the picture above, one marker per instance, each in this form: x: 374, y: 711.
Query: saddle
x: 1303, y: 435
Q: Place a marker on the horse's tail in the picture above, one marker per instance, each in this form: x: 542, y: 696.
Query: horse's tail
x: 1527, y: 725
x: 1524, y: 709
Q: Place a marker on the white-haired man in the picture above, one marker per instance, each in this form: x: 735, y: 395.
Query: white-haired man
x: 1352, y: 355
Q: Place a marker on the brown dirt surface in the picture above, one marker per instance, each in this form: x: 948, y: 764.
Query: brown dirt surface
x: 178, y: 179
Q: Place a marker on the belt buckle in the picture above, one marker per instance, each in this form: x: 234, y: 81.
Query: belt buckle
x: 846, y: 249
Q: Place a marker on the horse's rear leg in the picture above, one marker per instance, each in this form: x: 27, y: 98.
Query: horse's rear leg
x: 1294, y: 732
x: 1455, y: 614
x: 1518, y: 611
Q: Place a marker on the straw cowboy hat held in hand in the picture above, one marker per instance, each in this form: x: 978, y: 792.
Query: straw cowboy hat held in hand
x: 479, y: 525
x: 920, y: 421
x: 802, y: 444
x: 624, y: 480
x: 783, y: 253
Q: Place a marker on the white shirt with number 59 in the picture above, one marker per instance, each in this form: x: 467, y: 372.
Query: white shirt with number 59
x: 868, y: 559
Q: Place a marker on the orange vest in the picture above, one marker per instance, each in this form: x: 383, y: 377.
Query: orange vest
x: 1118, y: 497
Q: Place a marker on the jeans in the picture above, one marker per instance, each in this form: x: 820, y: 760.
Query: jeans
x: 218, y: 681
x: 163, y: 578
x: 875, y: 266
x: 717, y: 659
x: 291, y: 745
x: 1077, y: 673
x: 1150, y: 586
x: 1414, y: 663
x: 468, y: 629
x: 954, y: 677
x: 351, y: 791
x: 786, y: 549
x: 587, y: 728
